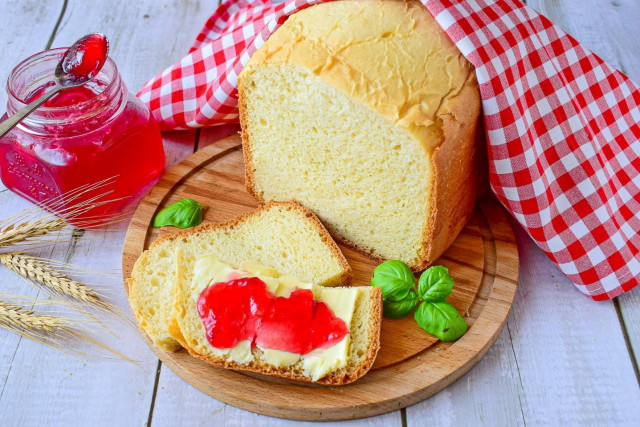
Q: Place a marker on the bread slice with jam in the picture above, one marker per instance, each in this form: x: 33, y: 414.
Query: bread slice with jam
x: 341, y: 362
x: 283, y: 235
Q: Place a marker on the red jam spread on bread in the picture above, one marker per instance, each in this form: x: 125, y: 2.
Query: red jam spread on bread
x: 243, y: 309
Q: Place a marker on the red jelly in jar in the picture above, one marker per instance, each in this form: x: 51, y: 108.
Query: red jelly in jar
x: 79, y: 137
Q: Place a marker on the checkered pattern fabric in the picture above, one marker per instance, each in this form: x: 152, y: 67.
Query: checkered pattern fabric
x: 563, y: 127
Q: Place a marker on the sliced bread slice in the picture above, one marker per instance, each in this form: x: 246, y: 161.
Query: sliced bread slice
x: 284, y: 235
x: 359, y: 306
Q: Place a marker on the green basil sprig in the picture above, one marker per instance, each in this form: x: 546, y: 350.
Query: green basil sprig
x: 400, y: 296
x: 184, y: 213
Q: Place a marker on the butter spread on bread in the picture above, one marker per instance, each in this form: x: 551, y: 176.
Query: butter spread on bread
x: 366, y: 113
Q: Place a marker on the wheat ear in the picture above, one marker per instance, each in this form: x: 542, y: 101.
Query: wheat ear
x: 33, y: 269
x: 12, y: 235
x: 15, y: 316
x: 56, y: 331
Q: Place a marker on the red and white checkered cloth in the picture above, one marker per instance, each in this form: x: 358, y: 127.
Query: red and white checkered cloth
x: 563, y: 130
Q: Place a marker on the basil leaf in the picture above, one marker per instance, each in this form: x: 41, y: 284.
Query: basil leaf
x: 399, y: 309
x: 184, y: 213
x: 441, y: 319
x: 395, y: 279
x: 435, y: 284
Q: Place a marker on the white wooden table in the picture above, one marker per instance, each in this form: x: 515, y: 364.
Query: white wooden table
x: 561, y: 359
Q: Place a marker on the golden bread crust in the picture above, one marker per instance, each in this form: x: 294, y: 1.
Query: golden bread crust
x: 455, y: 173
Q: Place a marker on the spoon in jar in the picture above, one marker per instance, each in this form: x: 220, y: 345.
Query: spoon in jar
x: 78, y: 65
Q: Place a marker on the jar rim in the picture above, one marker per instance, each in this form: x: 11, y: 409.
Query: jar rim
x: 27, y: 62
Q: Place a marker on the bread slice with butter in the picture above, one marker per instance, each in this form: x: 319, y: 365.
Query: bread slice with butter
x: 359, y: 307
x: 366, y: 113
x: 284, y: 235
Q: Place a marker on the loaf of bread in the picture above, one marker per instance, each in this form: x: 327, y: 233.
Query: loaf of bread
x: 366, y: 113
x: 282, y: 235
x: 345, y: 362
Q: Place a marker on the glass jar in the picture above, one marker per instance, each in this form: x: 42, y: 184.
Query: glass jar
x: 79, y: 137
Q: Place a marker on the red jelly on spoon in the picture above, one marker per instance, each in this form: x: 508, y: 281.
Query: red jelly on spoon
x: 86, y: 57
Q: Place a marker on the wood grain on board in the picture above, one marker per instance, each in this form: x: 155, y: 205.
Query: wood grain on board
x: 410, y: 366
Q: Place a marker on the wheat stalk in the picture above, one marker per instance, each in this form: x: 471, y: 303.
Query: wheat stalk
x: 56, y: 331
x: 15, y: 316
x: 57, y: 283
x: 33, y: 269
x: 12, y: 235
x: 32, y: 228
x: 78, y: 271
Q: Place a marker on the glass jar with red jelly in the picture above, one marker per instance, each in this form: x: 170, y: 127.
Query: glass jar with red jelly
x: 81, y: 136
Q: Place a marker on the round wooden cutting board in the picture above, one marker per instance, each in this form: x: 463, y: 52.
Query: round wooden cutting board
x: 411, y: 365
